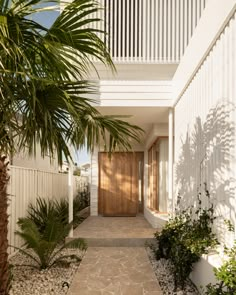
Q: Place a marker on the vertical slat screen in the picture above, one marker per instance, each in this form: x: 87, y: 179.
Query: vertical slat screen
x: 205, y: 134
x: 149, y: 30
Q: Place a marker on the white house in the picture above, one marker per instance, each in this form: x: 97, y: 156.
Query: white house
x: 176, y: 69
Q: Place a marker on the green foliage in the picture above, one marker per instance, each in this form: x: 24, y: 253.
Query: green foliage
x: 229, y: 225
x: 46, y: 245
x: 43, y: 80
x: 77, y: 172
x: 184, y: 239
x: 226, y: 275
x: 46, y: 210
x: 82, y: 199
x: 80, y: 202
x: 44, y: 87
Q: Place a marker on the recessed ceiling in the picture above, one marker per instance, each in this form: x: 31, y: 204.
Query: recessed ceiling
x: 144, y: 117
x: 135, y: 72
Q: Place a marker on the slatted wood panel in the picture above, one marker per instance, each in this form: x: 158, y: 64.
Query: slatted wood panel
x: 153, y: 176
x: 119, y: 183
x: 150, y: 179
x: 157, y: 175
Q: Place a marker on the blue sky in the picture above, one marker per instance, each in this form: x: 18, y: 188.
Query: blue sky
x: 82, y: 157
x: 47, y: 19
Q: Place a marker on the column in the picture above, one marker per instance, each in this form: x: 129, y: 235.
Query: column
x: 170, y: 162
x: 70, y: 195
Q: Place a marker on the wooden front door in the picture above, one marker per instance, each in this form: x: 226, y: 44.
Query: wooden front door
x: 120, y: 183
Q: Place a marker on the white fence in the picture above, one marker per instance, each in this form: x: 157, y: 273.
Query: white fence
x: 26, y: 185
x: 149, y: 30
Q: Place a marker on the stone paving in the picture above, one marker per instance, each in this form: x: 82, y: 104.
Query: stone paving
x: 115, y: 271
x: 116, y: 262
x: 114, y: 227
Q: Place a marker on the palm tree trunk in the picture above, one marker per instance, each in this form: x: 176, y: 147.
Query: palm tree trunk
x: 4, y: 268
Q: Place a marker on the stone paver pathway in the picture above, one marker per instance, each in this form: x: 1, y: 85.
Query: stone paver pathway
x: 114, y: 227
x: 115, y: 271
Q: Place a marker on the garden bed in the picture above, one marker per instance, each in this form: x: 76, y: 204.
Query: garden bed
x: 30, y: 280
x: 84, y: 213
x: 162, y: 269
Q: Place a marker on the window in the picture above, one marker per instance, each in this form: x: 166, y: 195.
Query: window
x: 158, y: 175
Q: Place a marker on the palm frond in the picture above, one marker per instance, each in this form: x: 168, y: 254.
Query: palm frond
x: 41, y: 212
x: 26, y: 253
x: 43, y: 82
x: 29, y: 232
x: 76, y: 243
x: 75, y: 31
x: 46, y: 246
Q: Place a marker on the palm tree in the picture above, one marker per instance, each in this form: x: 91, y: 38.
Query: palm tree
x: 4, y: 276
x: 44, y: 89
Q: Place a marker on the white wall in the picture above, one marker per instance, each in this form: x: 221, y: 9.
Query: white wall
x: 156, y: 131
x: 205, y: 132
x: 135, y: 93
x: 205, y: 119
x: 22, y: 159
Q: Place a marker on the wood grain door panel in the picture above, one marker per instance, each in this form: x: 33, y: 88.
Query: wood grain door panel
x: 119, y: 184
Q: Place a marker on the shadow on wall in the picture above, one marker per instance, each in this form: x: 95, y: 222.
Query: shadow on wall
x: 207, y: 156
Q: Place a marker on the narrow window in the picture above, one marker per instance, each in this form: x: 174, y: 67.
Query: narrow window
x: 158, y: 175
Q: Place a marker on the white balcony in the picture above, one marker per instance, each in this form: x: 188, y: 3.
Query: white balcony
x: 149, y: 31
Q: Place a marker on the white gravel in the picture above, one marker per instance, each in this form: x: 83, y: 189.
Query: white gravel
x: 53, y: 281
x: 165, y: 277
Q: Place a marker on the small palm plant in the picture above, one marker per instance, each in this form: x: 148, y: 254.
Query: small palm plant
x: 44, y: 210
x: 47, y: 245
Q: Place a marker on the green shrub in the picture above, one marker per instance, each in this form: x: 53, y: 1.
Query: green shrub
x: 226, y: 275
x: 81, y: 201
x: 184, y: 239
x: 182, y: 260
x: 167, y: 238
x: 45, y: 210
x: 47, y: 244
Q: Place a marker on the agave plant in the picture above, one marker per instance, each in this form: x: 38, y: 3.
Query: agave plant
x: 47, y: 246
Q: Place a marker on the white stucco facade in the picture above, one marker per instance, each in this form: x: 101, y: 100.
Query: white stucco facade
x: 208, y: 128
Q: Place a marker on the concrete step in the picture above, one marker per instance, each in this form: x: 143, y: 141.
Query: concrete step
x: 117, y: 242
x: 115, y: 231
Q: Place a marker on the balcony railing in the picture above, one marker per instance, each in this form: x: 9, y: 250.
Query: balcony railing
x: 149, y: 31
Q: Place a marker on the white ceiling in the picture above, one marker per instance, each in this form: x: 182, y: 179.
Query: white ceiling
x: 138, y: 72
x: 144, y: 117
